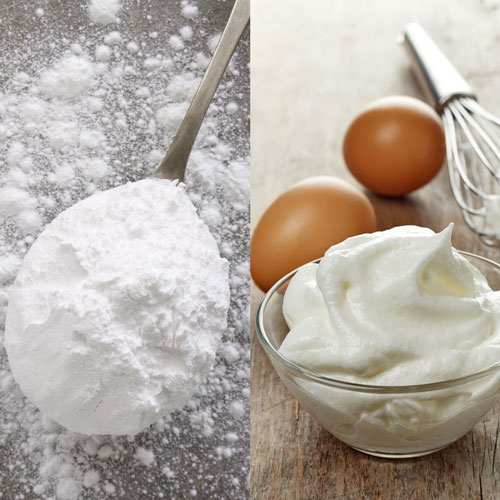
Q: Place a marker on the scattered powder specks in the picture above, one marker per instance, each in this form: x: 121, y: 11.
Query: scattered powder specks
x: 132, y: 47
x: 104, y: 11
x: 202, y: 60
x: 168, y: 472
x: 14, y: 201
x: 91, y: 447
x: 176, y: 42
x: 9, y: 265
x: 103, y: 53
x: 144, y: 456
x: 29, y: 222
x: 231, y: 107
x: 105, y: 451
x: 186, y: 32
x: 68, y: 78
x: 92, y: 139
x: 213, y: 41
x: 90, y: 478
x: 95, y: 104
x: 182, y: 87
x: 64, y: 175
x: 109, y: 488
x: 152, y: 62
x: 93, y: 168
x: 86, y: 111
x: 68, y: 489
x: 189, y: 11
x: 230, y: 353
x: 113, y: 38
x: 232, y: 437
x: 170, y: 117
x: 237, y: 409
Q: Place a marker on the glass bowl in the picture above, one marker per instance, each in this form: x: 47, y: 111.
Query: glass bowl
x: 385, y: 421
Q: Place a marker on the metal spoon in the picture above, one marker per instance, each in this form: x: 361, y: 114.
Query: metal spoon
x: 174, y: 163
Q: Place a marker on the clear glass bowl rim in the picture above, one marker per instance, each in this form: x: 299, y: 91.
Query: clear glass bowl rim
x: 297, y: 370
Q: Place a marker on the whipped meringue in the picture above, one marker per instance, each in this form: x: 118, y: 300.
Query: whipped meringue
x: 394, y: 308
x: 397, y: 307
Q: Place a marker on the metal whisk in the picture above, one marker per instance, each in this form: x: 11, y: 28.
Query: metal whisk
x: 472, y: 137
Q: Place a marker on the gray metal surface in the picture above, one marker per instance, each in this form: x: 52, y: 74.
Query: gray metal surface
x: 174, y: 164
x: 27, y: 44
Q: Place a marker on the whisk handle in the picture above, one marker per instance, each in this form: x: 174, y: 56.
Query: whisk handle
x: 433, y: 69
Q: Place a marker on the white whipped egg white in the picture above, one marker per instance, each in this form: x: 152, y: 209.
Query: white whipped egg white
x: 396, y: 307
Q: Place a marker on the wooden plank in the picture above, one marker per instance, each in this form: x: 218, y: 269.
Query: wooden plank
x: 314, y: 65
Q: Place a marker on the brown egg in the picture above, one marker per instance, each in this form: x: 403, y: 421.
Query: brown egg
x: 395, y: 146
x: 303, y: 222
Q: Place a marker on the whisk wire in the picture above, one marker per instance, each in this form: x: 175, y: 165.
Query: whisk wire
x: 480, y: 130
x: 473, y: 106
x: 472, y: 135
x: 463, y: 118
x: 455, y: 157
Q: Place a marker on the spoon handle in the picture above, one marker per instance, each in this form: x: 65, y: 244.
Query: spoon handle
x: 174, y: 163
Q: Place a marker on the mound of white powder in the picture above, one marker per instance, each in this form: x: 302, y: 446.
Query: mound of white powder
x: 115, y: 316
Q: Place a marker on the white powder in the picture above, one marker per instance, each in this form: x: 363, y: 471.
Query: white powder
x: 14, y: 201
x: 90, y: 478
x: 61, y: 135
x: 67, y: 489
x: 231, y: 107
x: 94, y: 168
x: 68, y: 78
x: 95, y: 104
x: 144, y: 456
x: 38, y: 454
x: 170, y: 117
x: 105, y: 451
x: 92, y: 139
x: 176, y: 42
x: 232, y: 437
x: 132, y: 47
x: 182, y: 87
x: 119, y: 306
x: 213, y: 41
x: 189, y: 11
x: 113, y: 38
x: 230, y: 353
x: 110, y: 488
x: 103, y: 53
x: 186, y: 32
x: 9, y: 264
x: 29, y: 221
x: 237, y: 409
x: 104, y: 11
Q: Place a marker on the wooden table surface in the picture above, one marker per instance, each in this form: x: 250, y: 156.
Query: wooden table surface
x: 314, y: 65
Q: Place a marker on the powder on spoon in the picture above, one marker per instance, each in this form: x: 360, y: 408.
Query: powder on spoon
x: 115, y: 316
x: 59, y: 149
